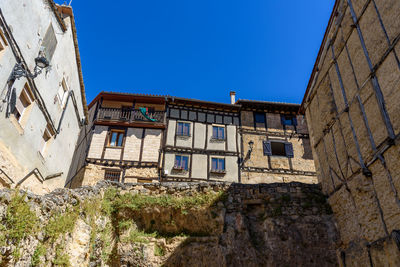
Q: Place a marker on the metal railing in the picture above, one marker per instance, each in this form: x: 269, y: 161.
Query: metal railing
x: 129, y: 115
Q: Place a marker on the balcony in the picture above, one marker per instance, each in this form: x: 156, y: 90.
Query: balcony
x: 127, y: 115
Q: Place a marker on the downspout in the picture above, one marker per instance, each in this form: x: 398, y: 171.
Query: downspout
x: 70, y: 94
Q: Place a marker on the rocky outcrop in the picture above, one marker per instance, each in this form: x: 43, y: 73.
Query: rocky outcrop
x: 169, y: 224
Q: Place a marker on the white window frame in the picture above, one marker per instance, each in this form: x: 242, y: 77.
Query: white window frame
x: 62, y: 92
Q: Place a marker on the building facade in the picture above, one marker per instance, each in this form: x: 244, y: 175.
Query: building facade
x: 43, y: 105
x: 352, y: 109
x: 143, y: 138
x: 202, y: 141
x: 122, y: 141
x: 276, y: 145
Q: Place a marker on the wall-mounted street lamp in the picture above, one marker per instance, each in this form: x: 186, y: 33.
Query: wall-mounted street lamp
x: 248, y: 154
x: 251, y: 144
x: 19, y: 71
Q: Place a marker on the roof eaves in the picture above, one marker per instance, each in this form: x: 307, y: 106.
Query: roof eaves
x: 68, y: 10
x: 57, y: 14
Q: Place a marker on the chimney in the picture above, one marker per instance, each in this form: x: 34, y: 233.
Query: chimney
x: 233, y: 96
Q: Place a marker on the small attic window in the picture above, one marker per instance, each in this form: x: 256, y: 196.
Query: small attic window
x: 49, y: 43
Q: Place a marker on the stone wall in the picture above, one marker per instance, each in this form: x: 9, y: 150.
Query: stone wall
x: 260, y: 168
x: 182, y: 224
x: 352, y: 108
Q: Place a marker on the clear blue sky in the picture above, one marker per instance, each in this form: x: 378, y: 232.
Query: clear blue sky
x: 202, y: 49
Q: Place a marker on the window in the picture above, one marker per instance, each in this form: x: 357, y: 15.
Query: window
x: 217, y: 165
x: 183, y: 129
x: 47, y: 134
x: 259, y: 117
x: 49, y: 43
x: 116, y: 138
x: 3, y: 43
x: 288, y: 120
x: 181, y: 162
x: 218, y: 132
x: 62, y: 90
x: 278, y: 148
x: 24, y: 100
x: 112, y: 175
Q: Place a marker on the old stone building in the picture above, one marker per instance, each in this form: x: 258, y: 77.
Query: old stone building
x: 122, y: 141
x: 42, y: 97
x: 352, y: 109
x: 276, y: 145
x: 144, y: 138
x: 202, y: 141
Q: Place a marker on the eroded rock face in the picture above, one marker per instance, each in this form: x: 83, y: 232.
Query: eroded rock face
x: 169, y: 224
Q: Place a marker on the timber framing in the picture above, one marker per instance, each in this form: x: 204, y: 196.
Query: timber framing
x: 278, y: 171
x: 121, y: 163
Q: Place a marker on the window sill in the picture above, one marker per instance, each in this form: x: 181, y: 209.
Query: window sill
x: 218, y: 171
x: 116, y: 147
x: 217, y: 140
x: 179, y: 169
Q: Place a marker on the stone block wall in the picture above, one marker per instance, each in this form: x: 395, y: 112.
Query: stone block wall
x: 352, y: 108
x: 235, y: 225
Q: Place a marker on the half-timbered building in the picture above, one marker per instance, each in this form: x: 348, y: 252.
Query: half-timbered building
x: 275, y: 142
x: 122, y: 142
x: 201, y: 142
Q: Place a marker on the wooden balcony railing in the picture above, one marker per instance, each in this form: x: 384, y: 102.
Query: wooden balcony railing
x: 129, y: 115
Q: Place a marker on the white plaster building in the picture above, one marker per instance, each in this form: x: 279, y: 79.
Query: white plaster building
x: 40, y: 117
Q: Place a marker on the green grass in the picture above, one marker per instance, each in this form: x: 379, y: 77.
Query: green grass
x: 113, y: 201
x: 39, y: 251
x: 61, y: 223
x: 158, y: 251
x: 136, y: 236
x: 20, y: 221
x: 61, y: 259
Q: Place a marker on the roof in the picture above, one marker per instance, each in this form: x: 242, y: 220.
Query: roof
x: 315, y: 68
x: 67, y: 10
x: 119, y: 96
x: 54, y: 7
x: 269, y: 106
x: 196, y: 102
x: 246, y: 101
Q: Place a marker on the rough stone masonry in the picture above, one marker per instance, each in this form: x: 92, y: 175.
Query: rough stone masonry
x: 352, y: 109
x: 169, y: 224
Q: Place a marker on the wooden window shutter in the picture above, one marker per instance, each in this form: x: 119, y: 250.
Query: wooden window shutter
x: 289, y: 150
x: 49, y: 43
x: 267, y: 148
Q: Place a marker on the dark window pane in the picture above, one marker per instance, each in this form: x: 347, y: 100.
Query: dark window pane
x: 215, y: 131
x: 214, y: 164
x: 259, y: 117
x: 278, y: 149
x: 221, y: 133
x: 221, y: 164
x: 187, y: 129
x: 185, y: 162
x: 120, y: 139
x: 177, y: 161
x: 114, y: 136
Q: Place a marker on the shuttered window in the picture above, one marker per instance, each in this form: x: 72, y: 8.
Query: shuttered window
x: 49, y: 43
x: 181, y: 162
x: 116, y: 138
x: 289, y: 120
x: 183, y: 129
x: 277, y: 148
x: 218, y: 133
x: 217, y: 165
x: 259, y: 117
